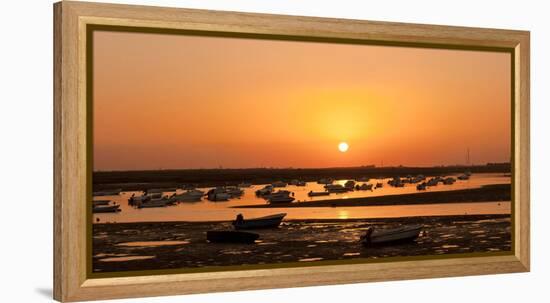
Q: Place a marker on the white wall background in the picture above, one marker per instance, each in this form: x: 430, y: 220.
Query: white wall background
x: 26, y: 149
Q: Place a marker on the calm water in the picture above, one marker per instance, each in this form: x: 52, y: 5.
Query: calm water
x: 212, y: 211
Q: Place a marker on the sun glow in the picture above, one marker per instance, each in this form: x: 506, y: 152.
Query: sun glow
x: 343, y: 147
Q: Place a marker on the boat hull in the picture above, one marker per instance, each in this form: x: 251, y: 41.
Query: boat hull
x: 114, y: 192
x: 318, y: 194
x: 260, y: 223
x: 393, y: 236
x: 281, y: 200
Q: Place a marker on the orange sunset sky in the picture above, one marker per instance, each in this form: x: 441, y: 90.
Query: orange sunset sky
x: 174, y: 101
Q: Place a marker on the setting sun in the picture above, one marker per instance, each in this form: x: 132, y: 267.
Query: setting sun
x: 343, y: 147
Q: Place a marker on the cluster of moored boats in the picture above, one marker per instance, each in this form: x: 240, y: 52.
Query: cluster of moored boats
x: 422, y: 183
x: 272, y: 193
x: 269, y: 193
x: 350, y: 185
x: 152, y: 198
x: 371, y: 237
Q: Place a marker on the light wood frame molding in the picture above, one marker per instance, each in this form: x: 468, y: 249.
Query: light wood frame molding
x: 71, y: 281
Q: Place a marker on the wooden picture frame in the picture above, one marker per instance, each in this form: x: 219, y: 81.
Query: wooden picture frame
x: 71, y: 148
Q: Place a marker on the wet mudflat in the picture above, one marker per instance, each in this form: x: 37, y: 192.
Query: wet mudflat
x: 172, y: 245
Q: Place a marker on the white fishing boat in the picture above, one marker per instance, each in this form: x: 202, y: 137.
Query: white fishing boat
x: 218, y: 194
x: 193, y: 195
x: 401, y: 234
x: 271, y: 221
x: 336, y: 188
x: 281, y: 196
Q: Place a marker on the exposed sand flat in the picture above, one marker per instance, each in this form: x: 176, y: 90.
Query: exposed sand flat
x: 293, y: 241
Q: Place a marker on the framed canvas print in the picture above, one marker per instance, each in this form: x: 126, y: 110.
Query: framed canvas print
x: 202, y: 151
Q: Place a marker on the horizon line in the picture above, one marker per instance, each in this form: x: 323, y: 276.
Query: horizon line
x: 305, y: 168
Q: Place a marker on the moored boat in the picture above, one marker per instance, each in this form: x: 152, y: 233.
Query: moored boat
x: 349, y: 185
x: 234, y: 191
x: 449, y: 181
x: 364, y: 186
x: 231, y: 236
x: 396, y: 182
x: 336, y: 188
x: 100, y: 202
x: 421, y: 186
x: 281, y: 196
x: 109, y: 192
x: 266, y: 190
x: 106, y: 209
x: 432, y: 182
x: 297, y: 182
x: 318, y: 193
x: 464, y: 176
x: 193, y: 195
x: 325, y: 181
x: 218, y: 194
x: 271, y: 221
x: 401, y: 234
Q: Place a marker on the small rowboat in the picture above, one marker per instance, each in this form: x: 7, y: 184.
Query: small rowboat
x: 231, y: 236
x: 106, y: 209
x: 272, y: 221
x: 402, y: 234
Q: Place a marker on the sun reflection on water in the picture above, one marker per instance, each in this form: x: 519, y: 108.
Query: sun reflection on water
x: 343, y: 214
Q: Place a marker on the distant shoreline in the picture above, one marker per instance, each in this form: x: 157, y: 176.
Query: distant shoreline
x: 141, y: 180
x: 495, y: 192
